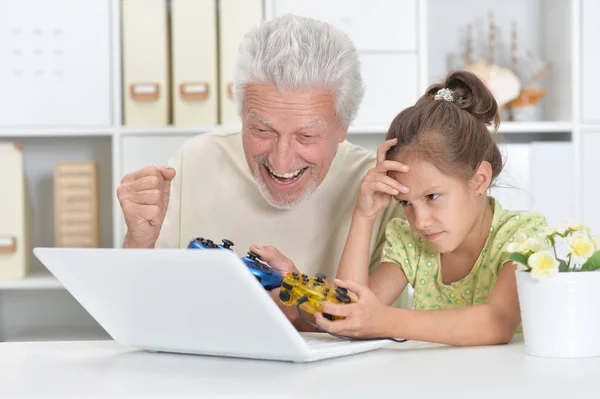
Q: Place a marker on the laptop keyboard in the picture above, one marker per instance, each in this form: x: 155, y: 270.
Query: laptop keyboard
x: 325, y: 346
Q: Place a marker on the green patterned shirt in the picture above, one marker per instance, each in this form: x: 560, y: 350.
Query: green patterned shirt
x: 421, y: 263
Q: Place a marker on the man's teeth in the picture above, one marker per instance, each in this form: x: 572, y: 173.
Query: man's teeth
x: 287, y: 175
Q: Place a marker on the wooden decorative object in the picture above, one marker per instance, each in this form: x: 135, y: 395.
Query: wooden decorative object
x: 76, y: 205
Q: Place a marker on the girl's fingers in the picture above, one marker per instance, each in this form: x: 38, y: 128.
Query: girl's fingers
x: 387, y: 166
x: 383, y: 149
x: 381, y: 187
x: 399, y: 187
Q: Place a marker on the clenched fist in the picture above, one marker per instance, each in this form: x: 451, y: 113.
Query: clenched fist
x: 144, y: 198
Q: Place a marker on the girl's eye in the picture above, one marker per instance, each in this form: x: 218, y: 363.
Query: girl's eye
x: 404, y: 203
x: 431, y: 197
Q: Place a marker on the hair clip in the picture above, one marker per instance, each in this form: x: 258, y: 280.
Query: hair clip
x: 444, y: 94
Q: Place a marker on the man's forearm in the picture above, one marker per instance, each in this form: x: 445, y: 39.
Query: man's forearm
x: 473, y: 325
x: 354, y: 263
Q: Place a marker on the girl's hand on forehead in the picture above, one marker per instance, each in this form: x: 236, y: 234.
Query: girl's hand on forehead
x: 378, y: 188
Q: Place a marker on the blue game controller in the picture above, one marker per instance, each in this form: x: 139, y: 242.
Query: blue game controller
x: 268, y: 277
x: 202, y: 243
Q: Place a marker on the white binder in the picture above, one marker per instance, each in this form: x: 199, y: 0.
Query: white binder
x: 236, y: 18
x: 14, y: 240
x: 194, y: 62
x: 145, y: 46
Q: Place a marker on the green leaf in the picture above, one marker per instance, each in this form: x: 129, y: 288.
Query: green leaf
x: 518, y: 258
x: 563, y: 267
x: 593, y: 263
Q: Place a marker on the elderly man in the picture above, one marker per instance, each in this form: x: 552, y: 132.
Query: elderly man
x: 289, y: 180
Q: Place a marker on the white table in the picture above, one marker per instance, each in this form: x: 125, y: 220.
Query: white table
x: 105, y: 369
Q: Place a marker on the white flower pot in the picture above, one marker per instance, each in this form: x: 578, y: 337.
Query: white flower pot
x: 561, y: 314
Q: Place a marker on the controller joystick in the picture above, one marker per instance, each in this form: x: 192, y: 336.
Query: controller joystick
x: 202, y: 243
x: 266, y: 275
x: 227, y: 244
x: 320, y: 278
x: 253, y: 256
x: 313, y: 291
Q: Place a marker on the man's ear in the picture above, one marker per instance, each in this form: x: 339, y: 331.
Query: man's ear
x: 482, y: 179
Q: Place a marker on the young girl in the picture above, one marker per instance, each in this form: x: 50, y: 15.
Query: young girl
x: 452, y: 248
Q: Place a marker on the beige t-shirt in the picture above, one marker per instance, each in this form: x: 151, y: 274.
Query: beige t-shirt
x: 214, y: 195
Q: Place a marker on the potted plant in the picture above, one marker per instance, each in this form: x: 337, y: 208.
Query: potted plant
x: 558, y: 284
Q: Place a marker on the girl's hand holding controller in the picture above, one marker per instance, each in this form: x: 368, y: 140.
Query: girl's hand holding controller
x: 377, y: 187
x: 364, y: 318
x: 144, y: 197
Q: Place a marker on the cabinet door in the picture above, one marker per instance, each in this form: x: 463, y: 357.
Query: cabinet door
x: 537, y: 177
x: 55, y: 68
x: 551, y: 171
x: 141, y: 151
x: 388, y: 25
x: 391, y: 85
x: 591, y: 181
x: 590, y: 57
x: 512, y: 187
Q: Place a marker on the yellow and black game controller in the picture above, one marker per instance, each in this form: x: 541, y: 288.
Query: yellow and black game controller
x: 310, y: 292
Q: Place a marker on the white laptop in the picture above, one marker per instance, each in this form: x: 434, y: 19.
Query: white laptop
x: 187, y: 301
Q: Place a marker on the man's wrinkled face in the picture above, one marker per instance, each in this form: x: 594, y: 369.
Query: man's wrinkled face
x: 290, y: 140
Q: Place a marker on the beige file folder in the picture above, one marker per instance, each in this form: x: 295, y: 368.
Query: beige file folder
x: 236, y: 18
x: 76, y: 205
x: 14, y: 233
x: 145, y: 47
x: 194, y: 62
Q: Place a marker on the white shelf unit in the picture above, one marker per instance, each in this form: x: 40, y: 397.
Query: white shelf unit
x: 67, y: 131
x: 37, y: 281
x: 38, y: 308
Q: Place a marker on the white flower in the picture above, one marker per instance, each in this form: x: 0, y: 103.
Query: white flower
x: 581, y: 247
x: 560, y: 229
x: 543, y: 264
x: 523, y: 244
x: 535, y: 244
x: 569, y: 225
x: 517, y: 245
x: 574, y: 225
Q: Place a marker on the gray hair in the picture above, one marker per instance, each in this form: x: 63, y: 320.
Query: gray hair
x: 297, y: 53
